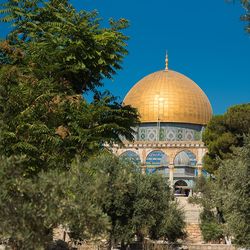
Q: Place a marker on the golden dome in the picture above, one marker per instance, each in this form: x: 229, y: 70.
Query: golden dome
x: 168, y: 96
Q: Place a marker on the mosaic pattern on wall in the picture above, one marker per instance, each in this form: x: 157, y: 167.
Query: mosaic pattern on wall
x: 168, y: 134
x: 185, y: 158
x: 157, y: 161
x: 131, y: 156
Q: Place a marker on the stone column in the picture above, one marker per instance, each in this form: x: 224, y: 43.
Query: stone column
x: 143, y: 169
x: 142, y: 154
x: 200, y: 154
x: 171, y: 175
x: 199, y: 168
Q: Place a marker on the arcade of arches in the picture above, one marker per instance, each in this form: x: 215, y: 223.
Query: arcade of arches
x: 180, y: 163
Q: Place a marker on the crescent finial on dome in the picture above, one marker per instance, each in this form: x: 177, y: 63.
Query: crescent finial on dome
x: 166, y: 68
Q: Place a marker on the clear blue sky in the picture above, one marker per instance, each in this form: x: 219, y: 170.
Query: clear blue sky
x: 205, y: 39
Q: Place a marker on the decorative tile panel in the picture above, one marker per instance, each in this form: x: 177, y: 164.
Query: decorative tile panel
x: 189, y: 135
x: 152, y: 134
x: 173, y: 132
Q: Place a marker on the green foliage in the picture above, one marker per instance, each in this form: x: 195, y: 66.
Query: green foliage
x: 223, y: 133
x: 137, y: 204
x: 51, y: 56
x: 50, y: 137
x: 212, y: 232
x: 206, y: 194
x: 228, y: 158
x: 233, y: 178
x: 43, y: 115
x: 62, y: 43
x: 209, y: 197
x: 246, y: 16
x: 226, y: 200
x: 172, y: 225
x: 31, y: 208
x: 152, y: 199
x: 45, y: 120
x: 102, y: 197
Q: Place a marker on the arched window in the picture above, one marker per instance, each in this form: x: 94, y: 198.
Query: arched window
x: 156, y: 161
x: 131, y: 156
x: 185, y: 159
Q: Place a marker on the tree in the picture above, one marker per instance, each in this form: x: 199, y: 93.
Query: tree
x: 45, y: 123
x: 233, y: 178
x: 221, y: 195
x: 31, y: 208
x: 223, y: 133
x: 53, y: 55
x: 246, y: 16
x: 154, y: 199
x: 225, y: 199
x: 102, y: 197
x: 129, y: 195
x: 69, y: 46
x: 208, y: 195
x: 44, y: 119
x: 171, y: 227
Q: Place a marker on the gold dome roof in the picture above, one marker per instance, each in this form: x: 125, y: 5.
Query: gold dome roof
x: 168, y: 96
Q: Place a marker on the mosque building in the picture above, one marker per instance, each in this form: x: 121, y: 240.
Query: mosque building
x: 173, y: 113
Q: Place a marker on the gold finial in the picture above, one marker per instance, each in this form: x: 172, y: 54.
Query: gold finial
x: 166, y: 68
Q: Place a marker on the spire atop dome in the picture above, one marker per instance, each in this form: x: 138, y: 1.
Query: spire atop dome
x: 166, y: 68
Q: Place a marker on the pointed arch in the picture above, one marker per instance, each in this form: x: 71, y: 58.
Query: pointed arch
x: 131, y: 156
x: 157, y: 161
x: 185, y: 158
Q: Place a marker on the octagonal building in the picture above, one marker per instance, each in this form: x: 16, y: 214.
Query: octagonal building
x: 173, y: 113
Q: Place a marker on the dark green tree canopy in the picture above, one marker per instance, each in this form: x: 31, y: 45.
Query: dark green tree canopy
x: 103, y: 197
x: 43, y: 114
x: 233, y: 180
x: 45, y: 123
x: 137, y: 204
x: 224, y: 132
x: 226, y: 199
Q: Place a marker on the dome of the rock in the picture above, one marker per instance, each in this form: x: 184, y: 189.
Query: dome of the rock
x: 174, y: 112
x: 168, y: 96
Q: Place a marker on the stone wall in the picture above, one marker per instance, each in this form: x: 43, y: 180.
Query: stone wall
x: 210, y: 247
x: 167, y: 247
x: 157, y: 246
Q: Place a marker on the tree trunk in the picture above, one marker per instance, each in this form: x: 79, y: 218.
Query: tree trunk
x: 140, y: 240
x: 123, y: 245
